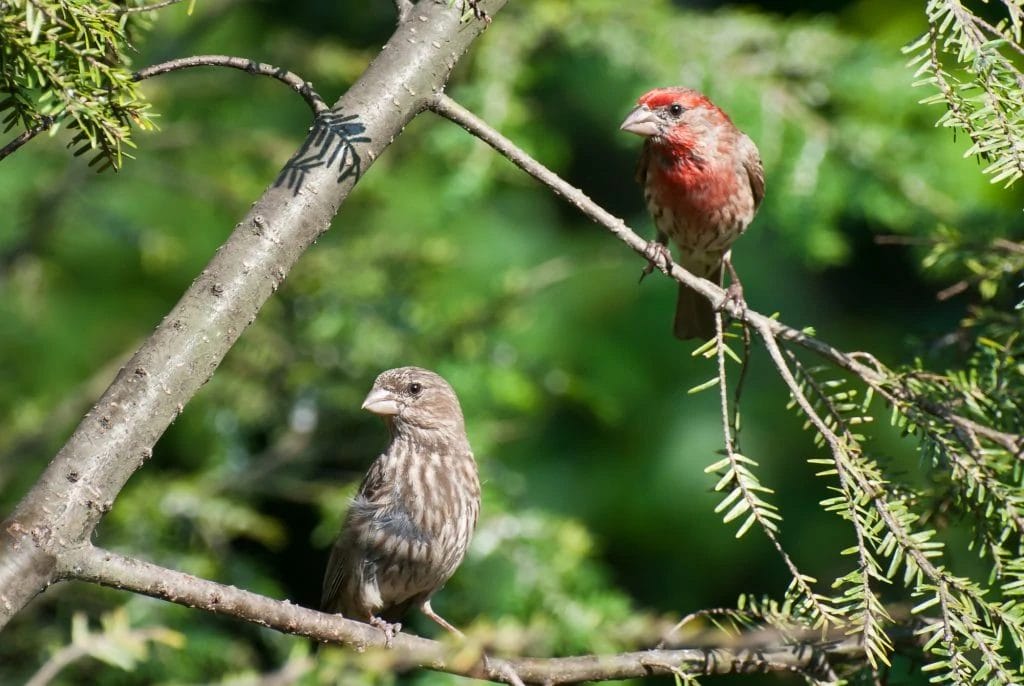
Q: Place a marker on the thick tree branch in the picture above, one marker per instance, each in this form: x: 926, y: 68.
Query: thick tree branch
x: 292, y: 80
x: 404, y: 9
x: 861, y: 364
x: 87, y: 563
x: 117, y: 436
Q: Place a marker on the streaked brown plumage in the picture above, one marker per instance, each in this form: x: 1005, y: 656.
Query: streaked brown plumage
x: 409, y: 525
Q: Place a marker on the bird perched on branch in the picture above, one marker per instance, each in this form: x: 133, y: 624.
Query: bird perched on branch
x: 703, y: 182
x: 409, y: 525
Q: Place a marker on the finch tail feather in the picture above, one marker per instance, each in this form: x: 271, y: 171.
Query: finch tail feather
x: 694, y: 316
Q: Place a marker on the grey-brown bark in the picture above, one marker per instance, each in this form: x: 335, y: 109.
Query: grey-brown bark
x: 764, y: 651
x: 117, y: 436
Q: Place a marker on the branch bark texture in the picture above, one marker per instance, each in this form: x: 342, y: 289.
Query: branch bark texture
x: 117, y: 436
x: 107, y: 568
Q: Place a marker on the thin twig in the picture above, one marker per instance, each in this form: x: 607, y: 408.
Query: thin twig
x: 25, y: 136
x: 737, y: 395
x: 824, y: 613
x: 873, y: 615
x: 292, y: 80
x: 874, y: 375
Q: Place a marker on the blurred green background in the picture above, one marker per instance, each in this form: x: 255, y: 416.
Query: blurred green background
x: 598, y: 516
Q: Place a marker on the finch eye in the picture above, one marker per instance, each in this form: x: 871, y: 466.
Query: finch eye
x: 415, y: 388
x: 676, y: 109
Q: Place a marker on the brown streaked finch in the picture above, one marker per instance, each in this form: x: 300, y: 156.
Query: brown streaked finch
x: 703, y: 181
x: 411, y: 521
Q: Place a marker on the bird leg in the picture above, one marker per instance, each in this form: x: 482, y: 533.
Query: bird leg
x: 390, y: 630
x: 658, y: 256
x: 734, y: 293
x: 429, y: 612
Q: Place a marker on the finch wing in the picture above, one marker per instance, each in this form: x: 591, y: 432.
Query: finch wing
x: 330, y: 600
x: 371, y: 488
x: 751, y: 157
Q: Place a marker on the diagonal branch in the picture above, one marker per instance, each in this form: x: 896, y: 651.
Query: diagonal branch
x: 869, y: 370
x: 764, y: 513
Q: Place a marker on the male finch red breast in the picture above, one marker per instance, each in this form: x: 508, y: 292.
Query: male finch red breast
x: 703, y: 182
x: 409, y: 525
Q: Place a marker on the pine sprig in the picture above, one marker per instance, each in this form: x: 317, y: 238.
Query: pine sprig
x: 835, y: 403
x: 981, y: 477
x: 968, y: 61
x: 67, y: 62
x: 973, y: 625
x: 746, y: 496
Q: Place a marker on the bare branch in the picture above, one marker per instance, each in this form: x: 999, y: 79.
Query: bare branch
x: 95, y: 565
x: 292, y: 80
x: 873, y: 373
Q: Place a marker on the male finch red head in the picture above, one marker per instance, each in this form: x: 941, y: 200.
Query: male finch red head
x: 702, y: 181
x: 409, y: 525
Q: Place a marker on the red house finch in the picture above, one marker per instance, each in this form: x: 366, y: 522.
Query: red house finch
x: 703, y: 182
x: 408, y: 527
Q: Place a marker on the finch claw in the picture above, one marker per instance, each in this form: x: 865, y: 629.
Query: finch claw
x: 733, y: 303
x: 658, y: 257
x: 390, y: 630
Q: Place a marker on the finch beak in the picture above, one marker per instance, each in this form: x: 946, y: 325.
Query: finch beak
x: 381, y: 402
x: 642, y: 122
